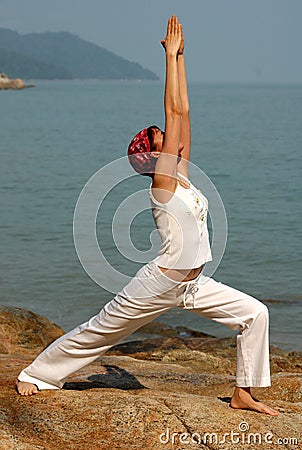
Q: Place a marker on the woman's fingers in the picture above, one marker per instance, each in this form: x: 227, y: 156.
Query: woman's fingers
x: 169, y: 28
x: 182, y: 42
x: 173, y: 26
x: 173, y: 38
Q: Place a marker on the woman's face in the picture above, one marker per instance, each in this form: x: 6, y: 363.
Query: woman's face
x: 158, y: 137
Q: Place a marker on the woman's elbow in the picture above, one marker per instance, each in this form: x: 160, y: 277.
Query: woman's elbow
x: 174, y: 111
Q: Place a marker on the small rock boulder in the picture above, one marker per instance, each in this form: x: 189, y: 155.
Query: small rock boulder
x: 24, y: 330
x: 7, y: 83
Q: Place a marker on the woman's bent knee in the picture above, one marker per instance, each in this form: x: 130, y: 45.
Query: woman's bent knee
x: 261, y: 314
x: 263, y: 310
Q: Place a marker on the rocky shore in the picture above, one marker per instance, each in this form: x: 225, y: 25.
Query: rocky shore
x: 170, y: 392
x: 8, y: 83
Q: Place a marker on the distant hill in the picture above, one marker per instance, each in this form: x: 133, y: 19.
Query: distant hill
x: 18, y: 65
x: 63, y: 55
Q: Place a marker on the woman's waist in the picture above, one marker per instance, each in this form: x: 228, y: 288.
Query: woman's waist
x: 184, y: 265
x: 181, y: 274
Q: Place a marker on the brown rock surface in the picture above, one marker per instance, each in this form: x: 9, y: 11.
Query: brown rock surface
x: 22, y: 330
x: 140, y: 393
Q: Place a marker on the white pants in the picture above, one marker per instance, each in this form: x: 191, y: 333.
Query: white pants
x: 148, y: 295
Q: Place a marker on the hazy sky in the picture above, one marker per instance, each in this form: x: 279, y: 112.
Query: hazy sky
x: 226, y: 40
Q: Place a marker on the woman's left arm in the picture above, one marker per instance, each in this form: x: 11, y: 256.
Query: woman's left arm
x: 185, y: 131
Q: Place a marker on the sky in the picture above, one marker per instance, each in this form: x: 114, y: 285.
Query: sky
x: 227, y: 41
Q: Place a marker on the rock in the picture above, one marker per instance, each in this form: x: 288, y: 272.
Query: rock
x: 160, y: 329
x: 22, y: 330
x: 168, y: 392
x: 7, y: 83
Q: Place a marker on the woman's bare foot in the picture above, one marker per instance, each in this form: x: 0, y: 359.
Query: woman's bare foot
x: 242, y: 399
x: 24, y: 388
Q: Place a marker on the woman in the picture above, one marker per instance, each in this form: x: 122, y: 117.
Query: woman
x: 174, y: 277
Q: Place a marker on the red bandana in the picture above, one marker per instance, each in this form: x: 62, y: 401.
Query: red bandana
x: 140, y: 155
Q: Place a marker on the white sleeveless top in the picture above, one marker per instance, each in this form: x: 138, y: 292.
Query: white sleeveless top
x: 182, y: 225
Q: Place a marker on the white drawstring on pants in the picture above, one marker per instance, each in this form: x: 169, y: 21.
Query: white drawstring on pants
x: 191, y: 289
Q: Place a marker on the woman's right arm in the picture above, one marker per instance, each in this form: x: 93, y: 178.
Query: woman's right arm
x: 185, y: 131
x: 166, y: 166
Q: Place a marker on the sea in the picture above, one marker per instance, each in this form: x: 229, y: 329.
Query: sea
x: 60, y: 136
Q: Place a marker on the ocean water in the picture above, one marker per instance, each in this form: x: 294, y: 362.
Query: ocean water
x: 56, y: 136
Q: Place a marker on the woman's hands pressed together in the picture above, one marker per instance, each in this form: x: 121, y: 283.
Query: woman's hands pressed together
x: 174, y: 37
